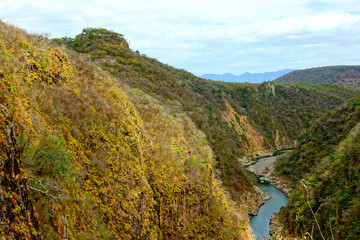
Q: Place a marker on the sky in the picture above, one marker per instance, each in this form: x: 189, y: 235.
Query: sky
x: 206, y: 36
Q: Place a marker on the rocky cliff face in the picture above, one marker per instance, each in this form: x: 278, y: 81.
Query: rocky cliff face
x: 252, y: 138
x: 18, y: 219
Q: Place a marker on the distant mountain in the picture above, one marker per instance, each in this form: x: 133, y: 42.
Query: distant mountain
x: 248, y: 77
x: 345, y: 76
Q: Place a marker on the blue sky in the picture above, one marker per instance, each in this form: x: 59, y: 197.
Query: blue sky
x: 205, y: 36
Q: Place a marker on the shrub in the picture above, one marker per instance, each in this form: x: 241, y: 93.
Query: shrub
x: 50, y: 156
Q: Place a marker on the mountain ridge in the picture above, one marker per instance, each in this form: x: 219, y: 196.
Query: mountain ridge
x: 343, y: 75
x: 247, y: 77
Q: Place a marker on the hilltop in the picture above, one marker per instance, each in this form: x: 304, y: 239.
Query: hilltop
x: 100, y: 141
x: 345, y: 76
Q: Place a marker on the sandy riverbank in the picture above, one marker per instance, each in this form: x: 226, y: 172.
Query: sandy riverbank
x: 264, y: 169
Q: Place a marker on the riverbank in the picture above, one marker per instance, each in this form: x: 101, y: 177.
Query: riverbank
x: 264, y: 169
x: 276, y: 229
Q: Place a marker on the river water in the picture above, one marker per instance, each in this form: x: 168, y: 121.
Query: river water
x: 260, y: 222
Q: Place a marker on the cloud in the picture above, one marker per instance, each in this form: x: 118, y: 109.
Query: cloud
x: 206, y: 36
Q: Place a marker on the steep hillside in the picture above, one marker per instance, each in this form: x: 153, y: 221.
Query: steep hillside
x: 345, y: 76
x: 281, y: 112
x: 264, y: 108
x: 82, y: 159
x: 327, y: 158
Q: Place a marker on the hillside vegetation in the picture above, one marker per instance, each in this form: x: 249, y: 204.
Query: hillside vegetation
x: 328, y: 159
x: 105, y: 143
x: 79, y: 161
x: 345, y: 76
x: 238, y: 119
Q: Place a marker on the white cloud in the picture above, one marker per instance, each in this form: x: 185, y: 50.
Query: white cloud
x: 205, y: 36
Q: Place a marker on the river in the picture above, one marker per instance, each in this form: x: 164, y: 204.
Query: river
x: 260, y: 222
